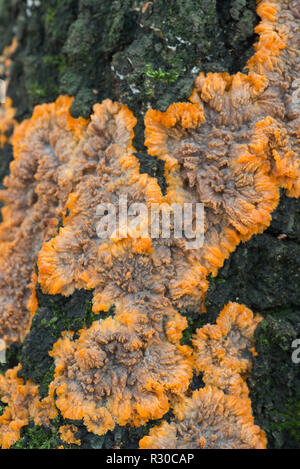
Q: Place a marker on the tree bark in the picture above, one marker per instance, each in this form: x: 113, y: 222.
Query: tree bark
x: 147, y: 54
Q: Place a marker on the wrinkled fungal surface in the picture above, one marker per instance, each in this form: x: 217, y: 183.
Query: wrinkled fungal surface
x: 231, y: 148
x: 112, y: 374
x: 207, y: 420
x: 224, y: 351
x: 22, y: 404
x: 239, y: 141
x: 47, y: 164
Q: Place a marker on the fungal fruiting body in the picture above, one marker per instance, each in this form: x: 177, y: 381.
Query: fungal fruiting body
x: 125, y: 264
x: 22, y: 405
x: 7, y: 111
x: 113, y: 172
x: 224, y: 350
x: 209, y: 419
x: 237, y: 142
x: 68, y: 434
x: 231, y: 148
x: 7, y: 121
x: 5, y: 59
x: 115, y: 372
x: 219, y: 414
x: 46, y: 166
x: 228, y: 149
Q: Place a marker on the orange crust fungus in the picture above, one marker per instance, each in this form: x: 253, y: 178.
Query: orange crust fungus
x: 114, y: 374
x: 7, y: 112
x: 113, y: 170
x: 68, y: 435
x: 5, y: 58
x: 224, y: 351
x: 230, y: 148
x: 7, y: 121
x: 123, y: 264
x: 208, y: 420
x: 48, y: 162
x: 218, y: 415
x: 237, y: 142
x: 22, y: 405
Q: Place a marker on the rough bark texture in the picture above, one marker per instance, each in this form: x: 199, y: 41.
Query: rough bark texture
x: 148, y: 54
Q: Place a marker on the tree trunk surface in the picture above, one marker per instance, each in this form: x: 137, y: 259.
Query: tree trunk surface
x: 147, y: 54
